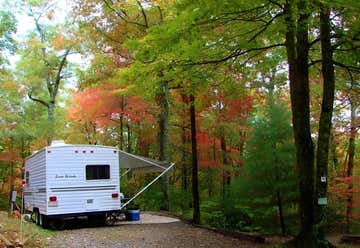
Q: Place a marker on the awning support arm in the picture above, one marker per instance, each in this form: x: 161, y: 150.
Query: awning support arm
x: 147, y: 186
x: 126, y: 172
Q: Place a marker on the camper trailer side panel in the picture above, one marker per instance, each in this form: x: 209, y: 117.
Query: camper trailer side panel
x: 35, y: 188
x: 68, y: 183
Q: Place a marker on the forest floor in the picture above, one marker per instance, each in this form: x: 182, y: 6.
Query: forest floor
x: 152, y: 230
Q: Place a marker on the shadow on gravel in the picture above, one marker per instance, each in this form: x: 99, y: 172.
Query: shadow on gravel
x: 79, y: 223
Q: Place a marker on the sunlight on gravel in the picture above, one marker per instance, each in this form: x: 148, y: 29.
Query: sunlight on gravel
x: 151, y: 219
x: 151, y: 231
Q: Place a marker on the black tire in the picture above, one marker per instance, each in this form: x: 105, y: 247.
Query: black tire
x: 36, y: 216
x: 111, y: 219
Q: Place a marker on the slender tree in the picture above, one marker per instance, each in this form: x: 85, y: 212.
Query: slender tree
x: 195, y: 183
x: 49, y: 50
x: 324, y: 132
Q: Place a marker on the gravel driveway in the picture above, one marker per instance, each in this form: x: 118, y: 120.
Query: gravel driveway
x: 151, y: 231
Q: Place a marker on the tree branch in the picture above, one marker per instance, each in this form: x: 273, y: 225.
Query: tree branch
x: 314, y: 62
x: 265, y: 26
x: 347, y: 67
x: 277, y: 4
x: 236, y: 53
x: 37, y: 100
x: 106, y: 35
x: 161, y: 17
x: 121, y: 14
x: 314, y: 42
x: 143, y: 14
x: 239, y: 15
x: 58, y: 75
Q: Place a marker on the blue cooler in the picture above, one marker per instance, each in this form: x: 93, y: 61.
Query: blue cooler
x: 132, y: 215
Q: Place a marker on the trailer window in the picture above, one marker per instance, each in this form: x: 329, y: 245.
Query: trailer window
x: 96, y: 172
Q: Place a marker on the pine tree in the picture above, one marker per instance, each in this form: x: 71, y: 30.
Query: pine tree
x: 269, y: 180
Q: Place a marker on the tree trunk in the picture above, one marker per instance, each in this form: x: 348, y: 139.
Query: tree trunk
x: 350, y: 164
x: 297, y: 48
x: 11, y: 181
x: 211, y: 172
x: 129, y: 148
x: 184, y: 156
x: 334, y: 156
x: 281, y: 213
x: 11, y: 188
x: 195, y: 184
x: 164, y: 139
x: 51, y: 126
x: 225, y: 176
x: 184, y: 183
x: 324, y: 132
x: 277, y: 178
x: 121, y: 133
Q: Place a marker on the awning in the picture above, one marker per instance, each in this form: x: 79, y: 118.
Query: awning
x: 139, y: 164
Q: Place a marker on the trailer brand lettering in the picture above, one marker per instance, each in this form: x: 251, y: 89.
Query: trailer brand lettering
x: 67, y: 176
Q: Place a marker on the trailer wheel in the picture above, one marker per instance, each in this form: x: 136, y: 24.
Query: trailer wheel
x: 36, y: 216
x: 111, y: 219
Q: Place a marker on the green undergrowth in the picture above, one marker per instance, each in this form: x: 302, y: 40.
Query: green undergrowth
x: 29, y: 234
x: 3, y: 202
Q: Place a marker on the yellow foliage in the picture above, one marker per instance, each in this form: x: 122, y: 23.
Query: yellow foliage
x: 50, y: 14
x: 10, y: 86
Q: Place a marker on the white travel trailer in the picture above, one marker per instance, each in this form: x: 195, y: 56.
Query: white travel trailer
x: 64, y: 181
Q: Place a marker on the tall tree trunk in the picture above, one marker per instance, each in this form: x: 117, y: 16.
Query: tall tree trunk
x: 184, y: 183
x: 350, y: 164
x: 51, y: 126
x: 277, y: 178
x: 334, y: 156
x: 195, y: 183
x: 11, y: 181
x: 324, y: 132
x: 281, y: 212
x: 225, y: 176
x: 211, y: 172
x: 53, y: 89
x: 184, y: 179
x: 121, y: 133
x: 11, y: 188
x: 129, y: 148
x: 297, y: 48
x: 164, y: 138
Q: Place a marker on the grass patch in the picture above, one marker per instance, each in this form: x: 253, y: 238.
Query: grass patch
x: 4, y: 202
x: 32, y: 235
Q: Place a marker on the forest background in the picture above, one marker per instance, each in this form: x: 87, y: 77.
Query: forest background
x: 256, y: 102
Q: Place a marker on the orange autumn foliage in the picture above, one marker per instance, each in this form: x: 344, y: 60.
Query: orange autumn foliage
x: 100, y: 107
x: 10, y: 156
x: 340, y: 189
x: 94, y: 104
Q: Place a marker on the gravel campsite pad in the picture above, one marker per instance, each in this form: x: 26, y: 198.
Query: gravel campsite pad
x: 151, y: 231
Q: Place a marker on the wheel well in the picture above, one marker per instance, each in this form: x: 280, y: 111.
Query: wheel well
x: 33, y: 214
